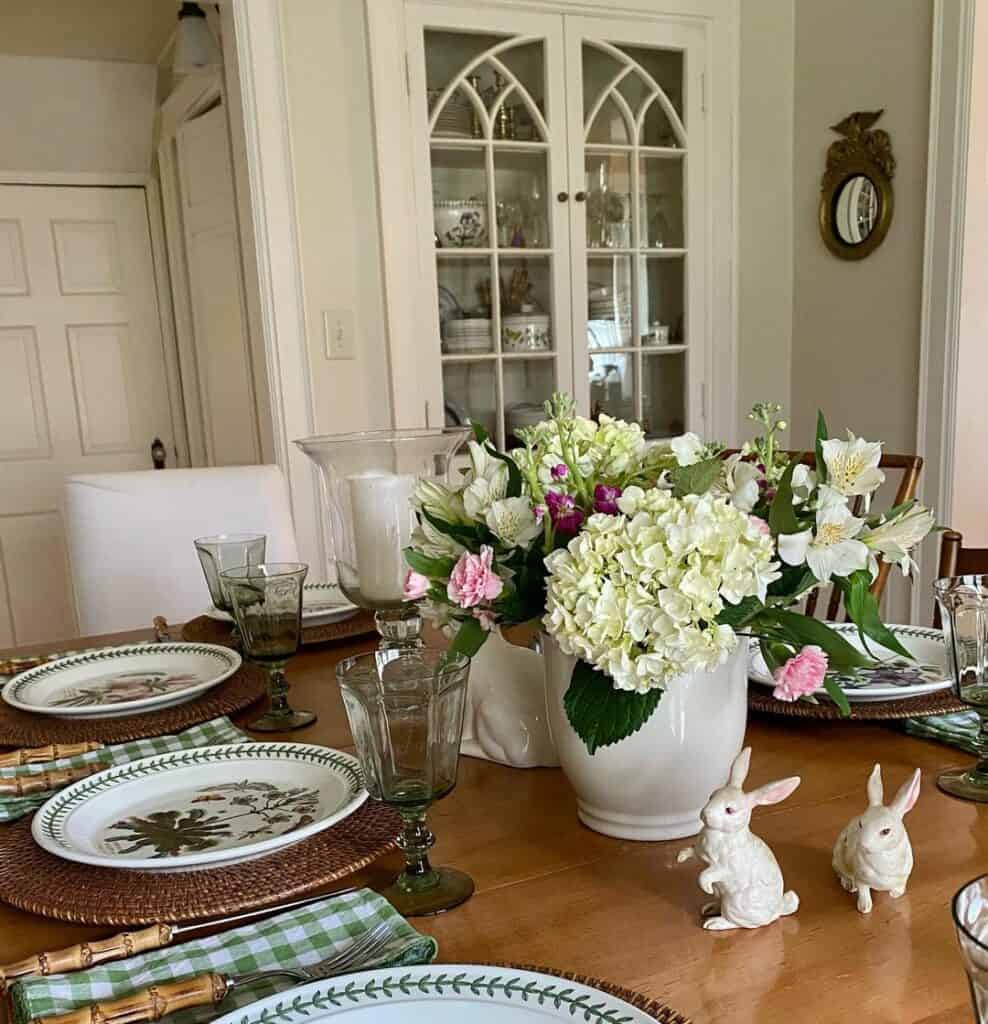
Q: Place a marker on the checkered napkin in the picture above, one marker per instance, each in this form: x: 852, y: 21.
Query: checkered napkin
x: 214, y: 732
x: 295, y: 938
x: 959, y: 729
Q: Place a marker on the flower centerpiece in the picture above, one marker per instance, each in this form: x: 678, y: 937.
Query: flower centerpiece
x: 647, y: 562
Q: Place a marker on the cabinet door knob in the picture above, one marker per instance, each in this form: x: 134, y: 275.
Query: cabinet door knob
x: 563, y: 196
x: 580, y: 197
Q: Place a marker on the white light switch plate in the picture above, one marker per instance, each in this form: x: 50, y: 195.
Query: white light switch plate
x: 338, y: 334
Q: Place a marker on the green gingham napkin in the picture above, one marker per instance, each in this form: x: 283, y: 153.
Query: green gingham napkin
x: 958, y: 729
x: 295, y: 938
x: 212, y: 733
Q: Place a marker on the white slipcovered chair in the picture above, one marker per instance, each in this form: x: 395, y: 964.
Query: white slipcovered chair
x: 130, y: 537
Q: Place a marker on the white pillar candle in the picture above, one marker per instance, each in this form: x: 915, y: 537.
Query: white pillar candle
x: 382, y: 529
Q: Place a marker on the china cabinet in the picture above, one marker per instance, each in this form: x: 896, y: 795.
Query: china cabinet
x: 562, y: 214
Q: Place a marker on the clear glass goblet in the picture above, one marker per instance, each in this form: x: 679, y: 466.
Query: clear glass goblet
x: 970, y: 912
x: 227, y: 551
x: 369, y: 480
x: 406, y: 714
x: 963, y: 602
x: 267, y: 605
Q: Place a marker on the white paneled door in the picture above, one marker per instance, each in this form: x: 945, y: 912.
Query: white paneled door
x: 82, y: 378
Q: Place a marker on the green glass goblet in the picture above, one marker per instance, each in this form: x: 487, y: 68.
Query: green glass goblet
x: 406, y: 709
x: 227, y: 551
x: 267, y: 606
x: 963, y: 602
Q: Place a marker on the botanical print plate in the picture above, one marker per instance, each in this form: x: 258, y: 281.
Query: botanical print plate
x: 322, y: 603
x: 441, y: 994
x: 201, y: 808
x: 893, y: 678
x: 117, y: 681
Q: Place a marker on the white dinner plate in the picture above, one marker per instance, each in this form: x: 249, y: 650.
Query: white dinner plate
x: 322, y: 603
x: 117, y: 681
x: 442, y: 994
x: 893, y: 678
x: 200, y: 808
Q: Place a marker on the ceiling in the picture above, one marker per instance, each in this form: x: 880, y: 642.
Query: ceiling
x: 126, y: 30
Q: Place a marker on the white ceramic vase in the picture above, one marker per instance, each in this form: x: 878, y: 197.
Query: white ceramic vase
x: 505, y: 718
x: 653, y: 784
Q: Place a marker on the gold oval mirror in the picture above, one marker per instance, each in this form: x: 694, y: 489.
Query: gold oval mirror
x: 856, y: 199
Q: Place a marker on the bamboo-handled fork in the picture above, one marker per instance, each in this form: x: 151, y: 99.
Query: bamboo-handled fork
x: 42, y: 782
x: 36, y: 755
x: 153, y: 1003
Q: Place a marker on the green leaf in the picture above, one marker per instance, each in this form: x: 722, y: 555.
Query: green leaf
x: 514, y: 473
x: 862, y: 608
x: 738, y: 615
x: 480, y: 434
x: 432, y: 567
x: 602, y: 715
x: 821, y: 435
x: 800, y: 630
x: 696, y: 479
x: 837, y: 695
x: 469, y: 638
x: 775, y: 654
x: 471, y: 536
x: 794, y: 581
x: 782, y: 514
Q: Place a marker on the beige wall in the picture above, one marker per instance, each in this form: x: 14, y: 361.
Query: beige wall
x: 325, y: 44
x: 856, y: 325
x: 970, y: 479
x: 765, y: 206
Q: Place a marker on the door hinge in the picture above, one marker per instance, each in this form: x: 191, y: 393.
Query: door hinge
x: 703, y: 91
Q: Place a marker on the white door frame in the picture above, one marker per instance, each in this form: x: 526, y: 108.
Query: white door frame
x: 946, y: 183
x: 156, y: 227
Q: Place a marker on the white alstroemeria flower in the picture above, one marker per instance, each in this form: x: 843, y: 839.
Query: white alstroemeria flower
x: 742, y: 483
x: 434, y: 543
x: 833, y: 551
x: 852, y: 465
x: 894, y: 539
x: 803, y: 483
x: 440, y: 501
x: 513, y: 522
x: 488, y: 481
x: 688, y: 449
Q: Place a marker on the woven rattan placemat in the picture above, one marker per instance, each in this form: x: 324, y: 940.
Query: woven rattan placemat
x: 941, y: 703
x: 205, y: 630
x: 653, y: 1007
x: 23, y: 729
x: 39, y: 882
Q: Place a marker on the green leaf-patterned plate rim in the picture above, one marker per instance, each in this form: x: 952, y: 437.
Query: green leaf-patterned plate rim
x: 51, y: 827
x: 413, y: 995
x: 16, y: 691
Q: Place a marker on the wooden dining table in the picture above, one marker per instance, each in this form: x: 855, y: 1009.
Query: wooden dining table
x: 551, y: 892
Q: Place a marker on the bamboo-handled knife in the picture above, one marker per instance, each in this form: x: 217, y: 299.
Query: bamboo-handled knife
x: 88, y: 954
x: 36, y: 755
x: 42, y: 782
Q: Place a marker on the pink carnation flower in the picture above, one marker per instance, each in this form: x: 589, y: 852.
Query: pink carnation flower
x: 760, y: 525
x: 416, y: 586
x: 801, y: 674
x: 472, y: 580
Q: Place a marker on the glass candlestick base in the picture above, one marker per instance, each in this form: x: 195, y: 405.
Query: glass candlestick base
x: 966, y: 783
x: 400, y: 628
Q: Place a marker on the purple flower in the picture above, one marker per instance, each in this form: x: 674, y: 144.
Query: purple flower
x: 560, y: 471
x: 539, y: 512
x: 605, y: 499
x: 563, y: 511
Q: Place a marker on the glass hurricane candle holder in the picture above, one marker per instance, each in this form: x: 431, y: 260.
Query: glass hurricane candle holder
x: 406, y: 709
x: 963, y: 602
x: 369, y: 480
x: 267, y: 605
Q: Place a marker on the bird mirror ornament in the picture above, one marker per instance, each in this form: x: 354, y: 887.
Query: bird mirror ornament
x: 741, y: 872
x: 873, y: 853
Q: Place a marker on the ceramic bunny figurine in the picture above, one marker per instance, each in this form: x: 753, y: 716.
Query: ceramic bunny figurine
x: 741, y: 869
x: 873, y: 851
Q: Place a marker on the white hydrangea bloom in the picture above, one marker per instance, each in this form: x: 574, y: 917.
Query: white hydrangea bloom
x: 636, y: 594
x: 688, y: 448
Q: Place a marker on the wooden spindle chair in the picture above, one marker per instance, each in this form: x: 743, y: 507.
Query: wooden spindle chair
x: 910, y: 465
x: 957, y: 560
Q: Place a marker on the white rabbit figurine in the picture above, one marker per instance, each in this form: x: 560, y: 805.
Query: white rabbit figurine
x: 741, y: 869
x: 873, y: 851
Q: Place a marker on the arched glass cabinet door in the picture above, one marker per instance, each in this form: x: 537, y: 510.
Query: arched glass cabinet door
x: 637, y: 142
x: 489, y: 112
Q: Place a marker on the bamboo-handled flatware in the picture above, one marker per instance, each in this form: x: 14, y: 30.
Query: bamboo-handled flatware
x: 44, y: 782
x: 52, y: 752
x: 157, y: 1001
x: 88, y: 954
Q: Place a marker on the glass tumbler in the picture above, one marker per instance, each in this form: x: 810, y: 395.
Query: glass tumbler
x: 406, y: 709
x: 970, y: 910
x: 227, y: 551
x: 267, y: 605
x: 963, y: 602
